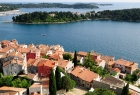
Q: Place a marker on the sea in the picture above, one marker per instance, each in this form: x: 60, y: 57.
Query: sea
x: 120, y: 39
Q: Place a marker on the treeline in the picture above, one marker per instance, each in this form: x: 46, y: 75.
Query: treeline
x: 14, y: 82
x: 37, y: 17
x: 46, y: 5
x: 125, y: 15
x: 6, y: 8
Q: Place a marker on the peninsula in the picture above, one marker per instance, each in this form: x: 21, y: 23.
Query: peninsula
x: 63, y: 17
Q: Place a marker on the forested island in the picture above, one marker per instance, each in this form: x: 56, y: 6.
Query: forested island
x: 124, y: 15
x: 61, y: 17
x: 51, y: 17
x: 8, y: 6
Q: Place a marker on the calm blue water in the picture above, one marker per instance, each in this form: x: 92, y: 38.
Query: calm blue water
x: 114, y: 38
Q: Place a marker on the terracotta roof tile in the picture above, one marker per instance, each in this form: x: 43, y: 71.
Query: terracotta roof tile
x: 45, y: 83
x: 98, y: 61
x: 48, y: 63
x: 54, y: 56
x: 111, y: 63
x: 84, y: 74
x: 6, y: 92
x: 107, y: 58
x: 31, y: 61
x: 132, y: 92
x: 82, y: 53
x: 118, y: 70
x: 4, y: 50
x: 23, y: 50
x: 126, y: 63
x: 12, y: 88
x: 5, y: 42
x: 62, y: 63
x: 31, y: 76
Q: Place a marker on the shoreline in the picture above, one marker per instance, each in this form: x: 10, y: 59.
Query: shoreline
x: 11, y: 12
x: 69, y: 21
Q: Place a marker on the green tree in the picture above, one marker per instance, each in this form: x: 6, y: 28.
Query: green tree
x: 52, y: 83
x: 134, y: 76
x: 101, y: 91
x: 125, y: 90
x: 66, y: 83
x: 75, y: 59
x: 67, y: 56
x: 58, y: 78
x: 88, y: 61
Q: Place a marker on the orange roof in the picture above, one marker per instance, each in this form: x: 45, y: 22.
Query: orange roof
x: 6, y: 63
x: 48, y: 63
x: 42, y: 62
x: 23, y: 50
x: 84, y: 74
x: 31, y: 76
x: 98, y: 61
x: 12, y: 45
x: 36, y: 62
x: 43, y: 48
x: 54, y: 56
x: 107, y: 58
x: 45, y: 83
x: 118, y: 70
x: 111, y: 63
x: 125, y: 63
x: 8, y: 93
x: 132, y: 92
x: 4, y: 50
x: 31, y: 61
x: 5, y: 42
x: 82, y: 53
x: 62, y: 63
x: 16, y: 54
x: 12, y: 88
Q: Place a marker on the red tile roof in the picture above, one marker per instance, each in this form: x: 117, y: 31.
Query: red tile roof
x: 4, y: 50
x: 54, y: 56
x: 62, y: 63
x: 84, y: 74
x: 126, y: 63
x: 48, y: 63
x: 111, y: 63
x: 118, y: 70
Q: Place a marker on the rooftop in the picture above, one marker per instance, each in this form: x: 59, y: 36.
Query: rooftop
x: 113, y: 81
x: 82, y: 53
x: 84, y: 74
x: 12, y: 88
x: 62, y: 63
